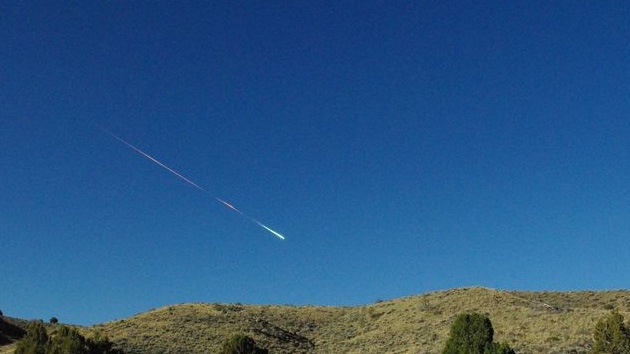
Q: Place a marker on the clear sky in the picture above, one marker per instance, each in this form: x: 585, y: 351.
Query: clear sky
x: 400, y: 147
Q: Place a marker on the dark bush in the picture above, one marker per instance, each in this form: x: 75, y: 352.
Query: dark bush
x: 611, y: 336
x: 35, y: 341
x: 67, y: 341
x: 473, y: 334
x: 241, y: 344
x: 63, y: 340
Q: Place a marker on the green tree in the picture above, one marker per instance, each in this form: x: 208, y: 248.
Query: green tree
x: 100, y: 344
x: 241, y: 344
x: 611, y: 336
x: 64, y: 340
x: 470, y: 334
x: 35, y: 341
x: 67, y: 341
x: 54, y: 320
x: 473, y: 334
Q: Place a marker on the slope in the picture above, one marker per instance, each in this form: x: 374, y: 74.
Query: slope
x: 532, y: 322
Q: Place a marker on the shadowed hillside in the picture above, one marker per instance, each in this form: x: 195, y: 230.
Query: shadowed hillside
x: 532, y: 322
x: 10, y: 330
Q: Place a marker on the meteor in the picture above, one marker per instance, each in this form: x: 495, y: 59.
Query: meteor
x: 191, y: 183
x: 229, y: 205
x: 268, y: 229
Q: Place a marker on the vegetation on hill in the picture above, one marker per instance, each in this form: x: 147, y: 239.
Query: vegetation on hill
x: 35, y: 341
x: 531, y: 322
x: 9, y: 332
x: 473, y: 334
x: 611, y: 335
x: 62, y: 340
x: 241, y: 344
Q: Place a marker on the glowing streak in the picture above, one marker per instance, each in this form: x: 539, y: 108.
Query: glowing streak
x: 151, y: 158
x: 157, y: 162
x: 268, y: 229
x: 229, y: 205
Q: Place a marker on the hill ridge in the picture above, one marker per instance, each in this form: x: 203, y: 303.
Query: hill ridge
x: 532, y: 322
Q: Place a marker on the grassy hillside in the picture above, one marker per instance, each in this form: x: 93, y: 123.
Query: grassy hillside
x: 7, y: 349
x: 532, y: 322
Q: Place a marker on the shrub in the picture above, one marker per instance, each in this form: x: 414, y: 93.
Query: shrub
x: 100, y: 344
x: 54, y: 320
x: 35, y: 341
x: 64, y: 340
x: 67, y: 341
x: 611, y: 336
x: 470, y: 334
x: 241, y: 344
x: 473, y: 334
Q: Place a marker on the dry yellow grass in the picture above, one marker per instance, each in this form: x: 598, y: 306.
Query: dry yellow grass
x: 532, y: 322
x: 7, y: 349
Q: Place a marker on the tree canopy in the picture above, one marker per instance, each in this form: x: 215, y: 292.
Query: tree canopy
x: 473, y: 334
x: 611, y: 335
x: 63, y: 340
x: 35, y: 341
x: 241, y: 344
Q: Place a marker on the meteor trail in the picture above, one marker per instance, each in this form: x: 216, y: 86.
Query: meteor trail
x: 268, y: 229
x: 229, y: 205
x: 195, y: 185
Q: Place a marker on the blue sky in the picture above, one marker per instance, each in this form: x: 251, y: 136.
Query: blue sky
x: 400, y: 147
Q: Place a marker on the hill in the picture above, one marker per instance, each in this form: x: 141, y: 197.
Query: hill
x: 532, y: 322
x: 11, y: 330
